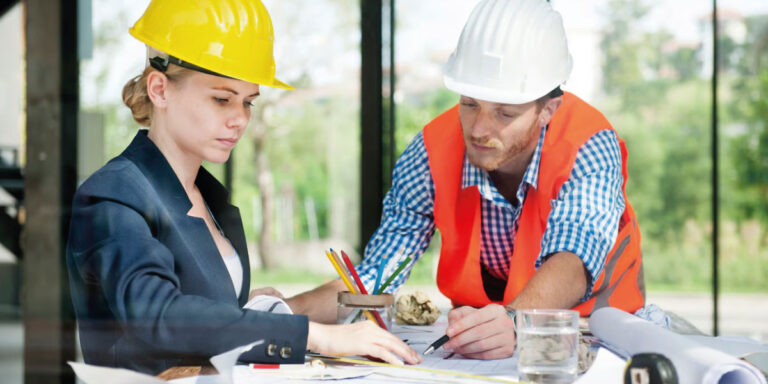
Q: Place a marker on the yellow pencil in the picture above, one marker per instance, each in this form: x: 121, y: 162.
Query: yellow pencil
x: 346, y: 281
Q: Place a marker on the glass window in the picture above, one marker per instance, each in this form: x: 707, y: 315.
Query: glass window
x: 12, y: 159
x: 743, y: 117
x: 297, y: 174
x: 652, y: 77
x: 647, y: 73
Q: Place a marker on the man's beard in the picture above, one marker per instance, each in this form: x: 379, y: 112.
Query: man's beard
x: 500, y: 154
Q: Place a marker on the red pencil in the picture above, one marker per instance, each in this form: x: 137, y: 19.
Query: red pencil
x: 360, y: 285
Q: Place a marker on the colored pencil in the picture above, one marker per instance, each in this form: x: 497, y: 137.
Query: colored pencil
x: 383, y: 268
x: 393, y: 275
x: 379, y: 273
x: 343, y: 266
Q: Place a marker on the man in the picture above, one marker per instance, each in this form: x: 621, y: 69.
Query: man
x: 524, y: 182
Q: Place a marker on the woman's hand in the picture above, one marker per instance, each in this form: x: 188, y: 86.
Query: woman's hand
x: 361, y: 338
x: 269, y: 291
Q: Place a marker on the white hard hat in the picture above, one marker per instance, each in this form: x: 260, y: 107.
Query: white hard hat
x: 510, y: 51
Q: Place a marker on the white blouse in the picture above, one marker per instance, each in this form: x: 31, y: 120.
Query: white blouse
x: 235, y: 270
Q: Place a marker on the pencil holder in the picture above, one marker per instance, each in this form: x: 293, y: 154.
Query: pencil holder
x: 353, y: 307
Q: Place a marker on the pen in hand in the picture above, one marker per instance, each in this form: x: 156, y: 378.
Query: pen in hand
x: 437, y: 344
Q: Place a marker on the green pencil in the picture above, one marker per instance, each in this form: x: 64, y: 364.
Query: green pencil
x: 393, y: 275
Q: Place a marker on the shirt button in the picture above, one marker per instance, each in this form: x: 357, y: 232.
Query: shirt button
x: 285, y: 352
x: 271, y: 350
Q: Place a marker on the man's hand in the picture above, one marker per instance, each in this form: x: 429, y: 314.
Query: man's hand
x: 485, y: 333
x: 320, y: 303
x: 269, y: 291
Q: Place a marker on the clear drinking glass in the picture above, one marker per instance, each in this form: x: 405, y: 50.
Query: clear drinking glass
x: 547, y: 345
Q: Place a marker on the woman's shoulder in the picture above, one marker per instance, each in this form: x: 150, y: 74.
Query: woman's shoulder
x: 120, y: 176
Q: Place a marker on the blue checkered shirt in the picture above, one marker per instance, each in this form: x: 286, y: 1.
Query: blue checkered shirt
x: 583, y: 220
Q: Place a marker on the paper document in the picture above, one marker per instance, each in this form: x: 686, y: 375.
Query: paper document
x: 694, y: 362
x: 268, y: 303
x: 607, y: 368
x: 92, y: 374
x: 420, y: 337
x: 225, y: 362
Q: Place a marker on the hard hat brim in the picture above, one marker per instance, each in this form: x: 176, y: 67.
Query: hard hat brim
x: 279, y: 84
x: 495, y: 95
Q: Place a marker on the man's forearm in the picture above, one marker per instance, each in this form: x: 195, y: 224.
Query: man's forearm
x: 320, y: 303
x: 560, y: 282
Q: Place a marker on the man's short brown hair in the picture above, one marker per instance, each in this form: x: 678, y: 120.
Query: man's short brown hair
x: 541, y: 101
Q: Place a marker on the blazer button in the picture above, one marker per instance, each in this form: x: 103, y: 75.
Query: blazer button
x: 271, y: 350
x: 285, y: 352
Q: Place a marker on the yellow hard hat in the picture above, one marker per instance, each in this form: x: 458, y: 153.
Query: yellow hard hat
x: 231, y: 38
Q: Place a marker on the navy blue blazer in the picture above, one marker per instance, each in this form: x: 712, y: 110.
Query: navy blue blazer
x: 148, y: 284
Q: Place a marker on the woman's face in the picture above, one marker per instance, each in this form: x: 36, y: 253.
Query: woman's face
x: 206, y: 115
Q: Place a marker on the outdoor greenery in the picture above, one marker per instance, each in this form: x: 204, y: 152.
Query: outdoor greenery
x: 655, y: 93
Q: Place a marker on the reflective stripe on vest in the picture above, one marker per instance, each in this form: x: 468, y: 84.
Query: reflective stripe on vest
x: 458, y: 214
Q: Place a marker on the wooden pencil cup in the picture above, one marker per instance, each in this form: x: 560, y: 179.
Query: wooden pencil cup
x: 353, y: 307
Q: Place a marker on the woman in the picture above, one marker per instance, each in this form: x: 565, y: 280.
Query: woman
x: 157, y: 258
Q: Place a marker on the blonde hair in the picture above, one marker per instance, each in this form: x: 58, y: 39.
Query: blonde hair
x: 135, y: 94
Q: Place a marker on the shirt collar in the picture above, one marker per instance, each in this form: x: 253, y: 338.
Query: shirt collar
x: 473, y: 176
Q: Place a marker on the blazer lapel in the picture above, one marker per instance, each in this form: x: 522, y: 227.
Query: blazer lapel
x: 203, y: 248
x: 228, y: 217
x: 148, y: 158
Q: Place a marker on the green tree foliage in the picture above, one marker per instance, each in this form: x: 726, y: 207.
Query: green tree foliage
x: 621, y: 49
x: 418, y: 110
x: 749, y: 150
x: 661, y: 119
x: 660, y: 103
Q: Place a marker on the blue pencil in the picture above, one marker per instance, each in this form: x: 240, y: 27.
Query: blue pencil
x: 379, y: 273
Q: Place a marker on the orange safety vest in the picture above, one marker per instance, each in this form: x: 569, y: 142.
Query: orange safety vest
x: 457, y: 214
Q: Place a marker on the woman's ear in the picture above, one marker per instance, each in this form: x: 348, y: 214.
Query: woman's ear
x: 157, y: 88
x: 548, y: 110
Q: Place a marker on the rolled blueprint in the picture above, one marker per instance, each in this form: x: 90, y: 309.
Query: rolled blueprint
x: 694, y: 362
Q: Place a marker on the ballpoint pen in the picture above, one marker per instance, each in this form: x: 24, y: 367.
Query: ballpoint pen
x: 437, y: 344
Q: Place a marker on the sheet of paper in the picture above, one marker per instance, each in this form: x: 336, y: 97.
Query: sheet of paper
x: 225, y: 362
x: 268, y: 304
x: 204, y: 379
x: 92, y: 374
x: 694, y: 362
x: 607, y: 368
x: 246, y: 374
x: 420, y: 337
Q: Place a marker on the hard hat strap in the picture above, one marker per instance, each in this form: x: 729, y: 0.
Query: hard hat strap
x: 557, y: 92
x: 161, y: 64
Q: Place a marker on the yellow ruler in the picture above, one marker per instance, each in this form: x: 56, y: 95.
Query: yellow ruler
x: 420, y: 369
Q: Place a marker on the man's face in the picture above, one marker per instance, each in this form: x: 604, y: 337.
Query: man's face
x: 494, y: 133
